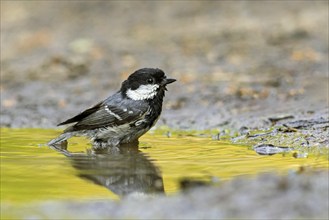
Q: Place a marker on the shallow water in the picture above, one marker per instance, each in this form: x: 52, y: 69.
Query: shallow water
x: 30, y: 171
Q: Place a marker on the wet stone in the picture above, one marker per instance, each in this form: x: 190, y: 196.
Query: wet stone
x: 270, y: 149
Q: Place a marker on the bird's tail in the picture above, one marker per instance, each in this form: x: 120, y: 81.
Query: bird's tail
x: 60, y: 138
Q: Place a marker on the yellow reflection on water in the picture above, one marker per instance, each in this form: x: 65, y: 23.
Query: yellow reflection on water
x: 30, y: 172
x: 203, y: 158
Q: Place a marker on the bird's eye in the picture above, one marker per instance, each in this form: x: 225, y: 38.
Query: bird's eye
x: 150, y: 80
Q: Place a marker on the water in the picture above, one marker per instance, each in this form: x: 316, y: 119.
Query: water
x: 32, y: 172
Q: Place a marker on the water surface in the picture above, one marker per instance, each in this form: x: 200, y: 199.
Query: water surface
x: 30, y: 171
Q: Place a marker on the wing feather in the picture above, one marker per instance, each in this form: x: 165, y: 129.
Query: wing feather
x: 102, y: 118
x: 82, y: 115
x: 103, y: 115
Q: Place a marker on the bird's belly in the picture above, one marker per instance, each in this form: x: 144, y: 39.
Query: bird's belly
x: 119, y: 134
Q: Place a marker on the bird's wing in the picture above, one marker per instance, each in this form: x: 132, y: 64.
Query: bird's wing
x: 82, y: 115
x: 102, y: 115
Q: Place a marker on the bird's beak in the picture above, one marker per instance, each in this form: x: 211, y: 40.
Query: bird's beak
x: 167, y: 81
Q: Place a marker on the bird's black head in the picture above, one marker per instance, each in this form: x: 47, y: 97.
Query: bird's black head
x: 145, y: 83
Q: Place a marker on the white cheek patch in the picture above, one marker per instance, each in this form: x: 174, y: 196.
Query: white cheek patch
x: 143, y: 92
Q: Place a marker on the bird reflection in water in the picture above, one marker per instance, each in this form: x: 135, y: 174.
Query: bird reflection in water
x: 125, y: 170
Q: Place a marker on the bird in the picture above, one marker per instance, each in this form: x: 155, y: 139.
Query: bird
x: 123, y: 117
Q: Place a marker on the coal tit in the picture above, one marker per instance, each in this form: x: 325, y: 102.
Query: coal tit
x: 123, y: 117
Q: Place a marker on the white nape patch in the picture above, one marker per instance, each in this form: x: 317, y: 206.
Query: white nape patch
x: 143, y: 92
x: 112, y: 113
